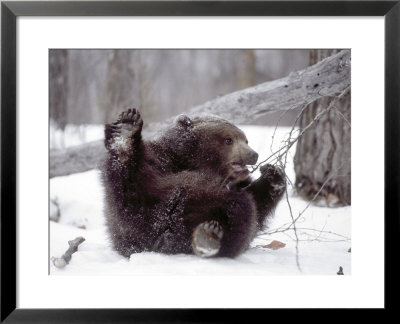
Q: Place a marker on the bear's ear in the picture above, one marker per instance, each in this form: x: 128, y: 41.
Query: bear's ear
x: 184, y: 121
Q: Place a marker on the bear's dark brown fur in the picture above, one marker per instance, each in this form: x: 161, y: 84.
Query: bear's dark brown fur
x: 188, y: 191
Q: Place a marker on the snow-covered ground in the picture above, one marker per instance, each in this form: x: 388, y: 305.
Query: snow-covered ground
x: 324, y: 233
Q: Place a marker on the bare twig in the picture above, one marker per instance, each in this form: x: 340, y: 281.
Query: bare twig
x: 66, y: 257
x: 309, y: 231
x: 280, y: 157
x: 290, y: 207
x: 344, y: 118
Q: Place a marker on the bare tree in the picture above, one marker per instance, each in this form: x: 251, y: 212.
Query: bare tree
x: 58, y: 60
x: 323, y: 152
x: 143, y: 98
x: 119, y: 84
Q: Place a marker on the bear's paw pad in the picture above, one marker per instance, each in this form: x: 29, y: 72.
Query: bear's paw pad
x: 130, y: 120
x: 207, y: 239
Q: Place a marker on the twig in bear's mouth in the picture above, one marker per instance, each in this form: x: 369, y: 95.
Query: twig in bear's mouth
x: 254, y: 167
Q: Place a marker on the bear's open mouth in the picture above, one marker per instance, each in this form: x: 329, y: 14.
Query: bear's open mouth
x: 239, y: 167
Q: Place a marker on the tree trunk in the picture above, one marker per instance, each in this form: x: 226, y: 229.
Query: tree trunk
x: 119, y: 84
x: 322, y: 161
x: 58, y: 98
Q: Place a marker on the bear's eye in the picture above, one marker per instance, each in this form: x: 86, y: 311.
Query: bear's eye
x: 247, y: 142
x: 228, y: 141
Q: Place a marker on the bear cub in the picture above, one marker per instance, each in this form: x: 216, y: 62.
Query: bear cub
x: 188, y: 191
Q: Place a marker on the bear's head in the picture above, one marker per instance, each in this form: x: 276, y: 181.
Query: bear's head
x: 220, y: 146
x: 208, y: 143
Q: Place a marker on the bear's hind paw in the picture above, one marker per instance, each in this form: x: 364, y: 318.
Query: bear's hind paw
x: 130, y: 120
x: 207, y: 239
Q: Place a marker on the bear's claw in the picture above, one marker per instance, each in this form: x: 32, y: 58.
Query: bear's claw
x: 207, y: 239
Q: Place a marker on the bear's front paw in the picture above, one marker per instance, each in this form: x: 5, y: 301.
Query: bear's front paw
x: 207, y: 239
x: 130, y: 121
x: 275, y: 177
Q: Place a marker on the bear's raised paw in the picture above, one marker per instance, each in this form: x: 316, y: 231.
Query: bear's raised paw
x: 130, y: 120
x: 120, y: 135
x: 207, y: 239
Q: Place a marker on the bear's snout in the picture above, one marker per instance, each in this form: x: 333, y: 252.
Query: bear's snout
x: 252, y: 157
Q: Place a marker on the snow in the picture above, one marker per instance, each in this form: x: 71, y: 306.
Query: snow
x: 74, y: 135
x: 120, y: 143
x: 324, y: 234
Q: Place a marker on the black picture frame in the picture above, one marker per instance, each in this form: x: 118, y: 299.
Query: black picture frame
x: 11, y: 10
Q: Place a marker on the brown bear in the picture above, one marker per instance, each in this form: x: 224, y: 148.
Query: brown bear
x: 188, y: 191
